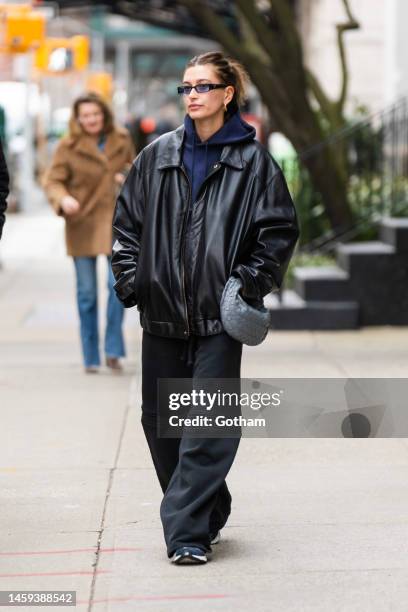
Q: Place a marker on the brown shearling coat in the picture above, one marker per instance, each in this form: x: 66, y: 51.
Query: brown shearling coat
x: 80, y: 169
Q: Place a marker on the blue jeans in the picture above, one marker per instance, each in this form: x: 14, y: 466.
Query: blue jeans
x: 87, y: 300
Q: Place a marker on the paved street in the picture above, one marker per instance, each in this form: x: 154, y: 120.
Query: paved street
x: 317, y: 524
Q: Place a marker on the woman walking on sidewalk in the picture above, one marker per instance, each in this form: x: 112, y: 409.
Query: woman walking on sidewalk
x: 87, y: 168
x: 201, y: 204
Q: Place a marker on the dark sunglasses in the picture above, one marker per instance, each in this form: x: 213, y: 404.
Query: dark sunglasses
x: 201, y: 88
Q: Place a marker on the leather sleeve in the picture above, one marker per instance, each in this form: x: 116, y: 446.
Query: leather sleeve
x: 4, y: 188
x: 127, y: 231
x: 273, y: 235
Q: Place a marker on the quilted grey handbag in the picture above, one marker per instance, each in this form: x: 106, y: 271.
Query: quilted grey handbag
x: 240, y: 320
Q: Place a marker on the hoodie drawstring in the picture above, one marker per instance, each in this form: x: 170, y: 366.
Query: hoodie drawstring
x: 193, y: 175
x: 192, y: 167
x: 189, y: 349
x: 205, y: 159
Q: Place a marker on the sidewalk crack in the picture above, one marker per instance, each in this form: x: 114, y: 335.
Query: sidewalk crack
x: 108, y: 491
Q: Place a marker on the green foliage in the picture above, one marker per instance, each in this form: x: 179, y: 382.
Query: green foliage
x: 309, y: 202
x: 376, y: 180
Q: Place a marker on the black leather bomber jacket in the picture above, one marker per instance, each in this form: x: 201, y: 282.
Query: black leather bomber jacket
x: 242, y: 223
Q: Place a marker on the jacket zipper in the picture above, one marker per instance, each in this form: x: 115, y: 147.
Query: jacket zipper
x: 183, y: 251
x: 216, y: 167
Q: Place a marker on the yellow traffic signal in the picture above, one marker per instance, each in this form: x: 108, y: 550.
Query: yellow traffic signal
x: 60, y: 55
x: 22, y: 28
x: 101, y: 83
x: 80, y: 46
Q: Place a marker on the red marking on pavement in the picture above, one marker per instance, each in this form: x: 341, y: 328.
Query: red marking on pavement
x: 156, y: 598
x: 65, y: 552
x: 119, y: 549
x: 80, y: 573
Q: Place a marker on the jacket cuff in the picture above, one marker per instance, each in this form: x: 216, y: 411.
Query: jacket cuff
x: 129, y: 301
x: 249, y: 289
x: 125, y: 293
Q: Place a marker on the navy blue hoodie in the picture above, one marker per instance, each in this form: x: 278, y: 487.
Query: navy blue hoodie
x: 199, y: 156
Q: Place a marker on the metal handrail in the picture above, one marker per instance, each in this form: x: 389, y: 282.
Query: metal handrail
x: 377, y: 157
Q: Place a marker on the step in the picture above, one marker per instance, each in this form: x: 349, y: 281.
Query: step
x: 394, y: 231
x: 296, y: 314
x: 322, y: 283
x: 289, y: 299
x: 365, y: 253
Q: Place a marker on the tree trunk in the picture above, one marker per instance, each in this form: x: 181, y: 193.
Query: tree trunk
x: 328, y: 179
x: 325, y: 163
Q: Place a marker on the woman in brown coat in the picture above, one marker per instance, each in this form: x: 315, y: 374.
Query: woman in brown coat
x: 88, y: 166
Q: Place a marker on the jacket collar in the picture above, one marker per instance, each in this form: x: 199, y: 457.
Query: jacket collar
x: 87, y: 146
x: 115, y: 141
x: 172, y: 157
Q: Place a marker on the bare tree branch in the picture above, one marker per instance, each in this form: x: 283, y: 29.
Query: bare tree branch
x: 262, y: 74
x: 251, y: 38
x: 261, y: 29
x: 351, y: 24
x: 327, y: 106
x: 214, y: 25
x: 285, y: 59
x: 287, y: 21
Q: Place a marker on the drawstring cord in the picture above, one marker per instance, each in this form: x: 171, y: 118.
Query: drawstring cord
x: 195, y: 140
x: 192, y: 168
x: 188, y: 352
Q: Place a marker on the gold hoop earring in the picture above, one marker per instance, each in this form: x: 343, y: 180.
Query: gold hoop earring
x: 225, y: 108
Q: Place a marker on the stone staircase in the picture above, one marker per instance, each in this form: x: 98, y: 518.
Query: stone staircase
x: 368, y: 286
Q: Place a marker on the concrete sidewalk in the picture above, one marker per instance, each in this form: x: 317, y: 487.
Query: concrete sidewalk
x: 317, y: 524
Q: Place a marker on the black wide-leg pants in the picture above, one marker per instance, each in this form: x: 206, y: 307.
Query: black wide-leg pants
x: 191, y: 471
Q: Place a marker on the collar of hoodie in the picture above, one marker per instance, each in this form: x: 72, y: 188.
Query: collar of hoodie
x: 198, y: 155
